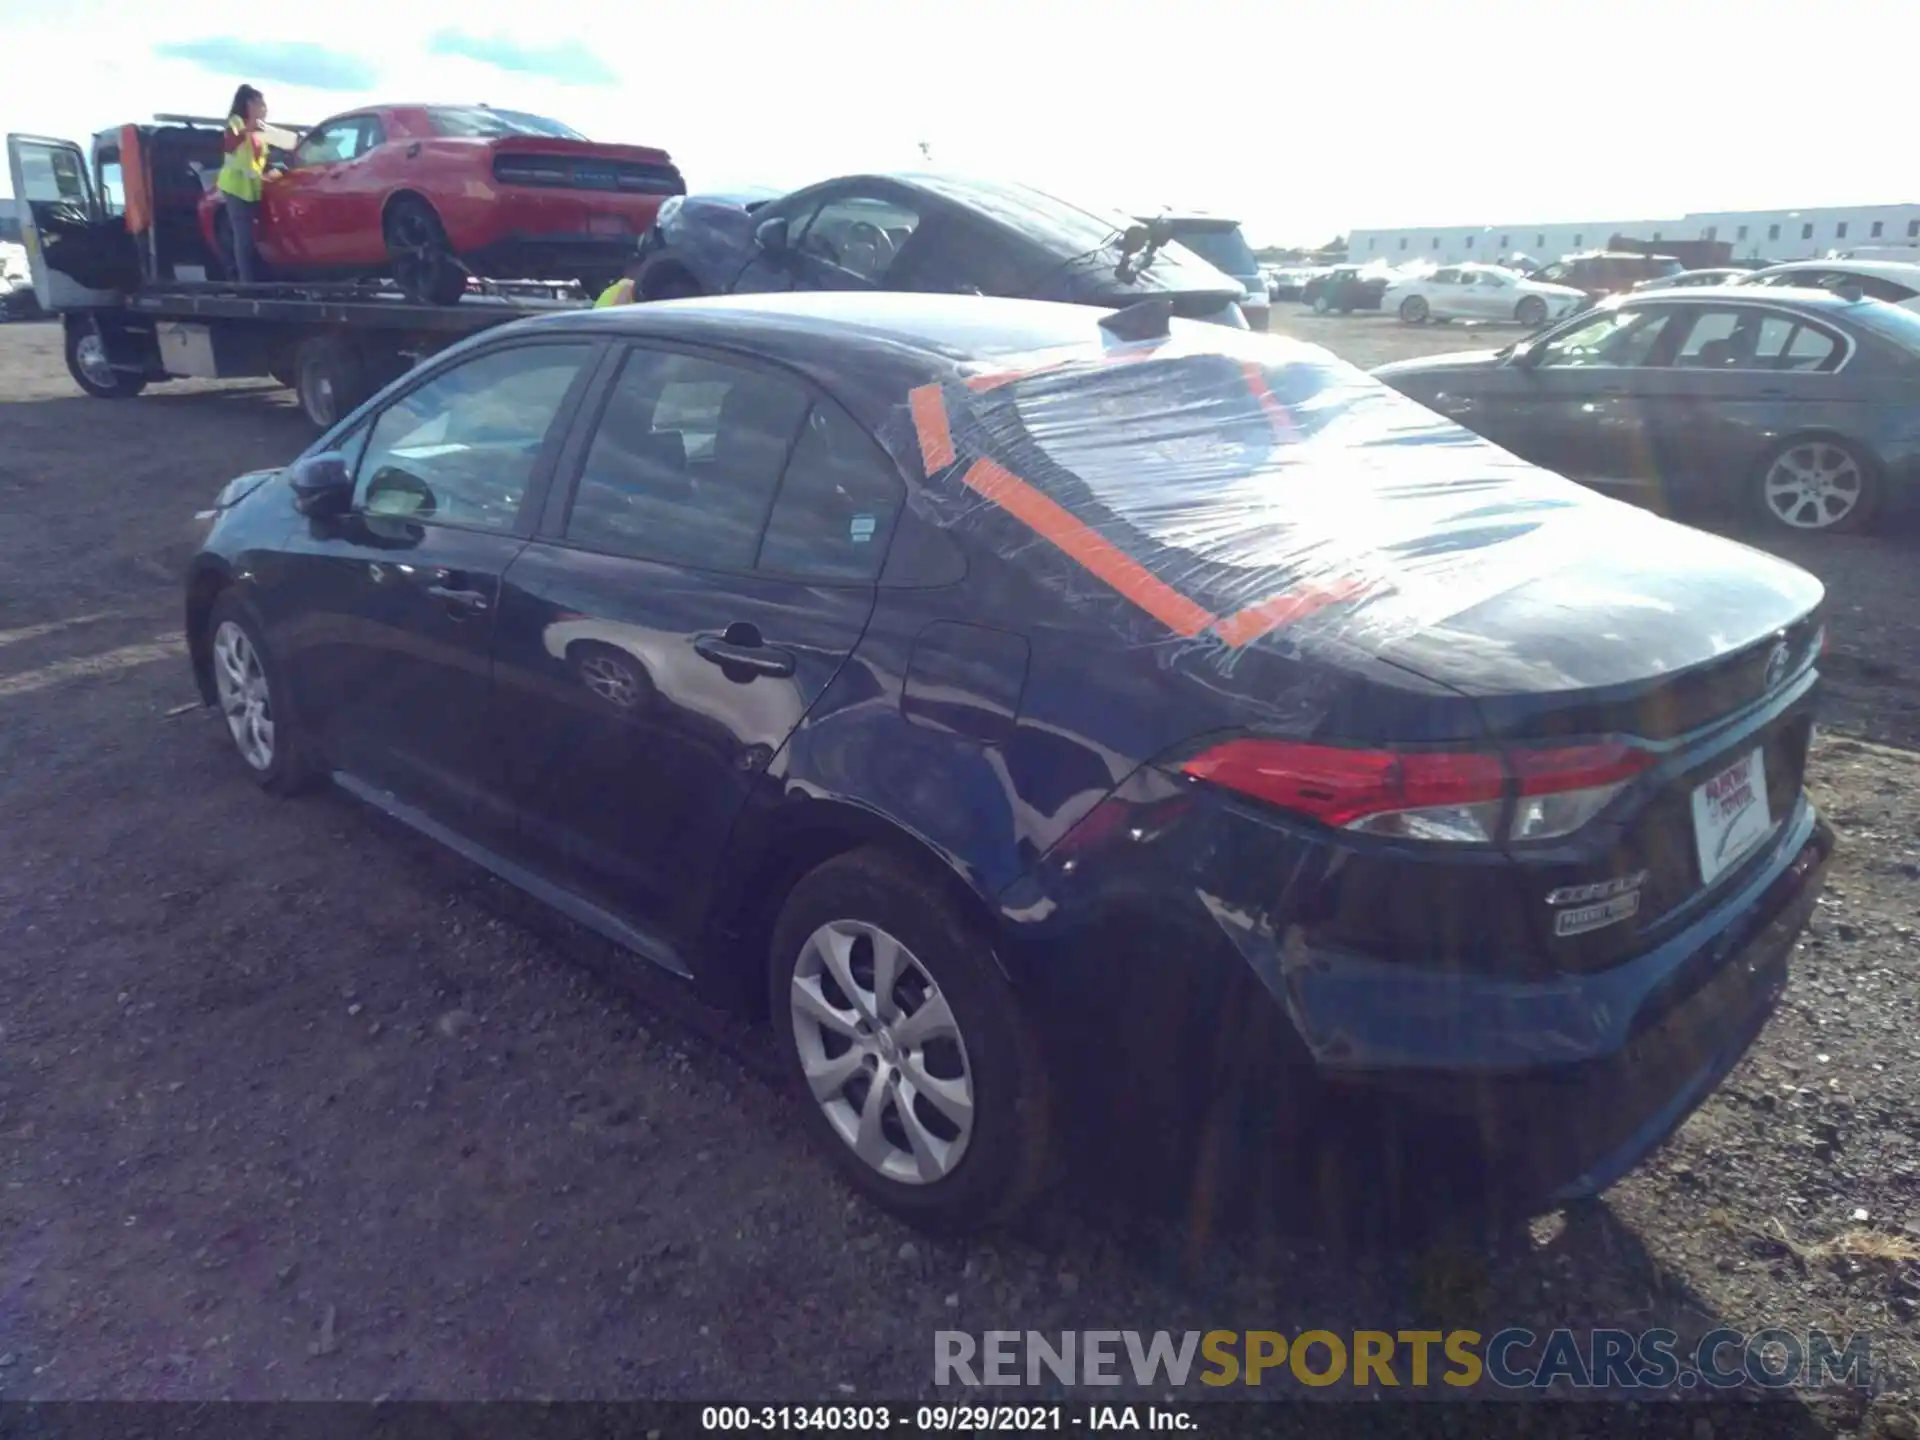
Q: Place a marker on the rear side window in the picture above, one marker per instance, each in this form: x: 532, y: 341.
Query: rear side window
x: 837, y: 503
x: 685, y: 461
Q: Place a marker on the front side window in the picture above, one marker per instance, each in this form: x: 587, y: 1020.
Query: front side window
x: 1618, y: 338
x: 461, y: 448
x: 332, y: 143
x: 859, y: 234
x: 685, y: 460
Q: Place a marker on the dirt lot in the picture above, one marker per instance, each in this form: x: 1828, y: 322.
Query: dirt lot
x: 291, y: 1105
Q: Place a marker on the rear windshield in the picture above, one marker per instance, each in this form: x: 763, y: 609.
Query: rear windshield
x: 1221, y: 473
x: 1892, y: 323
x: 475, y: 123
x: 1226, y: 249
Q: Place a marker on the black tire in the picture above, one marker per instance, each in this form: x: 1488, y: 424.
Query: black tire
x: 329, y: 378
x: 1414, y: 310
x: 671, y: 285
x: 1004, y: 1161
x: 419, y: 255
x: 88, y: 363
x: 292, y: 766
x: 1829, y: 469
x: 1321, y: 305
x: 1531, y: 311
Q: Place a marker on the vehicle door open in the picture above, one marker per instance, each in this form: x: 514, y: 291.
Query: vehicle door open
x: 78, y: 255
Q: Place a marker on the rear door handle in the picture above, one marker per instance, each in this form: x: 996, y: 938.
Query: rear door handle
x: 757, y: 659
x: 456, y: 593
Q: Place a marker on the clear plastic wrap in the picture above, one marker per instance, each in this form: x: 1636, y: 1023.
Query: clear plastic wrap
x: 1211, y: 489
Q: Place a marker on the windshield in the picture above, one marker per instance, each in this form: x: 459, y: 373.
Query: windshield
x: 478, y: 123
x: 1225, y: 249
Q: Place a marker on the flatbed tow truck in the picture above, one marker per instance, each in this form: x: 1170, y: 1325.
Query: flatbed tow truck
x: 114, y: 252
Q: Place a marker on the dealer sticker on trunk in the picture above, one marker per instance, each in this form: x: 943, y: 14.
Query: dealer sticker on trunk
x: 1730, y: 815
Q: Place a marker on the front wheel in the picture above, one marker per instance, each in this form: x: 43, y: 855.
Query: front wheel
x: 1414, y: 310
x: 1531, y: 312
x: 1817, y: 482
x: 1321, y: 305
x: 252, y: 700
x: 92, y: 367
x: 905, y: 1046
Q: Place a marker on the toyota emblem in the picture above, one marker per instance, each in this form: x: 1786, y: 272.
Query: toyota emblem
x: 1776, y: 666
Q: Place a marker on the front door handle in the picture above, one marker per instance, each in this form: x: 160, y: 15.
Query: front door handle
x: 754, y: 659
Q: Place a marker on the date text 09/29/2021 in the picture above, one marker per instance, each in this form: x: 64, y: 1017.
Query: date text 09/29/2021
x: 943, y: 1419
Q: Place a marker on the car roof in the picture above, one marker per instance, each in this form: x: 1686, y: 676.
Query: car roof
x: 878, y: 344
x: 1890, y: 269
x: 1788, y: 296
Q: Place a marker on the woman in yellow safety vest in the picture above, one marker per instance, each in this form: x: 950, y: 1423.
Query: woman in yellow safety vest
x: 244, y: 173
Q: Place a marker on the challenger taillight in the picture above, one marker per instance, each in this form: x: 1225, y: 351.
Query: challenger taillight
x: 1446, y: 796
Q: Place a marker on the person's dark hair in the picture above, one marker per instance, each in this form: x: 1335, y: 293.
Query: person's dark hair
x: 242, y: 98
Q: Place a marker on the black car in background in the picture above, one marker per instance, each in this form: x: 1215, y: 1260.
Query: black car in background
x: 1608, y: 272
x: 915, y: 670
x: 934, y: 233
x: 1346, y: 288
x: 1797, y: 405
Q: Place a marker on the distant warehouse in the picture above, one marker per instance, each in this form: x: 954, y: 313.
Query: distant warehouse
x: 1754, y: 235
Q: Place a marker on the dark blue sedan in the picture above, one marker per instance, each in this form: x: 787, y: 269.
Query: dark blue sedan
x: 927, y: 232
x: 1060, y: 720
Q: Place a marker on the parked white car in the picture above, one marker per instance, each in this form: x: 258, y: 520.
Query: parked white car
x: 1479, y: 292
x: 1894, y: 281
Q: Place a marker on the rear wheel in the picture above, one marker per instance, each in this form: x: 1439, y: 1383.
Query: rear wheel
x: 1817, y: 482
x: 419, y: 254
x: 92, y: 368
x: 1531, y: 312
x: 1414, y: 310
x: 905, y: 1046
x: 329, y: 379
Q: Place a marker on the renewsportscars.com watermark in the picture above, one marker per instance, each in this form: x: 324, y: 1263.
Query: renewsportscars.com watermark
x: 1511, y: 1359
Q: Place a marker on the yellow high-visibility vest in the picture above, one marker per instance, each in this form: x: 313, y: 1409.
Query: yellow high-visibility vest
x: 245, y: 168
x: 618, y: 293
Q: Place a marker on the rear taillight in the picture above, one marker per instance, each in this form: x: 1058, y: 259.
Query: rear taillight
x: 1447, y: 796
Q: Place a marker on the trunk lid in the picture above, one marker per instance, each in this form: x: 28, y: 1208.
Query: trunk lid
x: 550, y: 162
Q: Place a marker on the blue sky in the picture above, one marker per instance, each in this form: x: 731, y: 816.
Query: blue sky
x: 1303, y: 124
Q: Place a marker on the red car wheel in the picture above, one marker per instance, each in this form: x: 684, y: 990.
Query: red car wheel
x: 419, y: 255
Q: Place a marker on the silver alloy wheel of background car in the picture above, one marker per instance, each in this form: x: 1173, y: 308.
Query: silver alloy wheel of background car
x: 611, y: 680
x: 1414, y: 310
x: 882, y: 1052
x: 244, y: 698
x: 91, y: 353
x: 1814, y: 485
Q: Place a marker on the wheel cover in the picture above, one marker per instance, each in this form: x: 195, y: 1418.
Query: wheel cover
x: 610, y: 680
x: 91, y: 355
x: 317, y: 397
x: 882, y: 1052
x: 244, y: 698
x: 1814, y: 485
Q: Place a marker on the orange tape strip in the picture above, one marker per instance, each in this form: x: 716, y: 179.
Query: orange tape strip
x: 1283, y: 609
x: 1087, y: 548
x: 929, y: 409
x: 1277, y: 414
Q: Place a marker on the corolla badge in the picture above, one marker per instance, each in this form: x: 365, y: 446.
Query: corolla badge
x: 1581, y: 908
x: 1777, y: 661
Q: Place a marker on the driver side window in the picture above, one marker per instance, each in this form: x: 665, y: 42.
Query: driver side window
x: 332, y: 143
x: 461, y: 449
x: 859, y: 234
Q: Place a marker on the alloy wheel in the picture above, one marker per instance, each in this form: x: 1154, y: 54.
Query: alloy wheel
x: 1814, y: 485
x: 610, y: 680
x: 91, y: 353
x: 882, y: 1052
x: 241, y: 683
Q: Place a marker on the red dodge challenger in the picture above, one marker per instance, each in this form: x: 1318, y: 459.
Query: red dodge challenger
x: 430, y: 194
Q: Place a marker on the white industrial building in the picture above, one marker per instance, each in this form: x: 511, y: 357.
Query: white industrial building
x: 1754, y: 234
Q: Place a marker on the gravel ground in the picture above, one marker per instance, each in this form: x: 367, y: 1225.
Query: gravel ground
x: 294, y: 1105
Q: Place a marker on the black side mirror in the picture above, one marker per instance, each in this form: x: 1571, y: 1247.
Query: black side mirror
x: 1526, y: 355
x: 322, y: 485
x: 771, y: 236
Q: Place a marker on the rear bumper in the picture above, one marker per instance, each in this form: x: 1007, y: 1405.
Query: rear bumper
x: 1159, y: 996
x: 1690, y: 1010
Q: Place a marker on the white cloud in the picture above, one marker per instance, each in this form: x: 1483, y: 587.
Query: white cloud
x: 1304, y: 123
